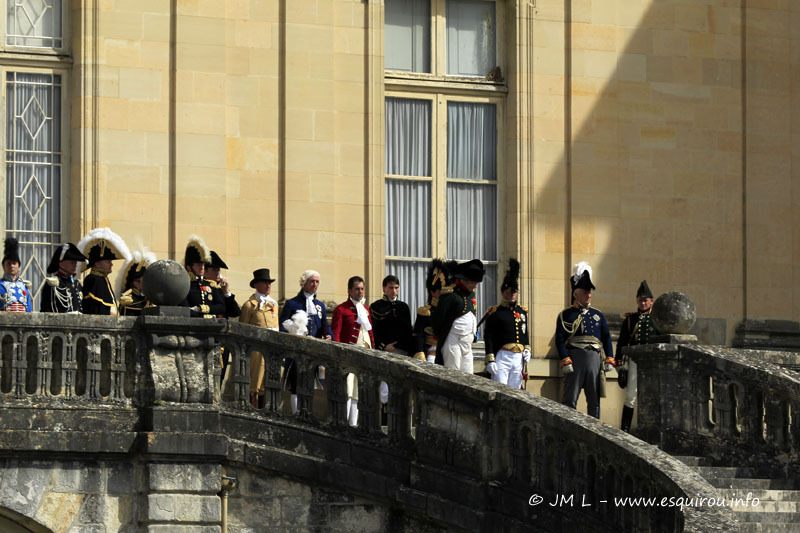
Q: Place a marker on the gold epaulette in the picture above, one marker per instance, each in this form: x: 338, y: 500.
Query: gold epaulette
x: 213, y: 283
x: 492, y: 309
x: 447, y: 289
x: 523, y: 308
x: 52, y: 281
x: 424, y: 310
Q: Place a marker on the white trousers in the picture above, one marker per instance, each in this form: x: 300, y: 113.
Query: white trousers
x: 509, y: 368
x: 457, y: 351
x: 631, y: 388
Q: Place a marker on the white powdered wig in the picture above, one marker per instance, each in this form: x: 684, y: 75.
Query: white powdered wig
x: 198, y: 242
x: 307, y: 274
x: 580, y: 268
x: 298, y: 324
x: 139, y: 257
x: 112, y: 240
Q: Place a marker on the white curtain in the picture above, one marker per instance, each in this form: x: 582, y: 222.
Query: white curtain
x: 471, y: 37
x: 408, y: 137
x: 412, y: 282
x: 471, y: 141
x: 34, y: 23
x: 408, y: 218
x: 407, y: 35
x: 33, y: 169
x: 472, y: 207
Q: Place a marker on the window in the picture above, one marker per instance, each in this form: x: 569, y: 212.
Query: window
x: 468, y: 27
x: 441, y: 140
x: 35, y: 110
x: 34, y: 23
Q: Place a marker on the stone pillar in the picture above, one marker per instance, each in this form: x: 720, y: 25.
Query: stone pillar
x: 183, y: 498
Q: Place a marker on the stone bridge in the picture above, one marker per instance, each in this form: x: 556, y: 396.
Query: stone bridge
x: 119, y: 425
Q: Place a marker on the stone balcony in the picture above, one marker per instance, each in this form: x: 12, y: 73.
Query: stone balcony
x: 127, y: 401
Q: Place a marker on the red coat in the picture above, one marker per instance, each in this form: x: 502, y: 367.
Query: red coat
x: 344, y: 326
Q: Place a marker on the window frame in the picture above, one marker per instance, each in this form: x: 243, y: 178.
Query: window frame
x: 33, y: 52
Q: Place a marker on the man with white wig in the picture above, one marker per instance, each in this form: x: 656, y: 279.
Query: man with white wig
x: 581, y: 336
x: 316, y: 323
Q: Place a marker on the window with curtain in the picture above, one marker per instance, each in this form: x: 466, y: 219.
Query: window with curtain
x: 454, y: 215
x: 408, y: 195
x: 471, y: 37
x: 407, y: 37
x: 33, y: 169
x: 34, y: 23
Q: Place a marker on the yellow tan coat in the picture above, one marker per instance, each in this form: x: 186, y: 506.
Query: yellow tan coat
x: 265, y: 316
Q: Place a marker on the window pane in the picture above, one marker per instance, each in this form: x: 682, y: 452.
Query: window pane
x: 34, y: 23
x: 412, y: 282
x: 408, y: 137
x: 471, y: 221
x: 408, y: 35
x: 33, y: 169
x: 471, y: 141
x: 487, y: 293
x: 408, y: 218
x: 471, y: 37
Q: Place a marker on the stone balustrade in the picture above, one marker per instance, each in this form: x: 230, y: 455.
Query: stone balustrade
x: 734, y: 406
x: 457, y: 450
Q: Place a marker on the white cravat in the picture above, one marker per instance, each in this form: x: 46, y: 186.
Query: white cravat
x: 264, y: 299
x: 311, y: 309
x: 363, y: 317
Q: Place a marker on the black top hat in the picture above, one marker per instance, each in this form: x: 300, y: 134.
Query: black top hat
x: 216, y: 261
x: 471, y: 270
x: 65, y: 252
x: 644, y: 290
x: 582, y: 278
x: 11, y: 250
x: 196, y: 251
x: 511, y: 281
x: 262, y: 274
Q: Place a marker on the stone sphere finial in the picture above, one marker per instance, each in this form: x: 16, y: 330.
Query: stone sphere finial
x: 166, y: 283
x: 673, y: 313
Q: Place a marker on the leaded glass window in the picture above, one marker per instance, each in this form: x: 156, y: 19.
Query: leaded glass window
x: 34, y: 23
x: 33, y: 169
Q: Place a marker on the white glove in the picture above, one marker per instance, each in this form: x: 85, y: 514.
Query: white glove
x: 567, y: 369
x: 491, y: 368
x: 608, y: 367
x: 431, y: 358
x: 526, y: 355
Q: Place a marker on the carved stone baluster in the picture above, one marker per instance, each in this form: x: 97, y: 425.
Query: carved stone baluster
x: 399, y: 412
x: 272, y: 382
x: 240, y: 375
x: 117, y: 368
x: 337, y: 396
x: 369, y: 405
x: 44, y: 365
x: 20, y: 365
x: 69, y: 365
x: 306, y: 373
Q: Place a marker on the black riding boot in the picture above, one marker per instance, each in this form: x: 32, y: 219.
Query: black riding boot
x: 627, y: 418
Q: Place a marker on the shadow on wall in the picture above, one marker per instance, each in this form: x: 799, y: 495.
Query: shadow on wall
x: 649, y: 184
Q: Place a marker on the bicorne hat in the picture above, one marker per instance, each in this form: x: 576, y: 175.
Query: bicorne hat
x: 134, y: 269
x: 196, y: 251
x: 582, y: 277
x: 64, y: 252
x: 471, y: 270
x: 216, y: 261
x: 644, y: 290
x: 102, y: 243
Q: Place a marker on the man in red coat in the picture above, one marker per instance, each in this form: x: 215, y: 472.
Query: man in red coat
x: 352, y: 325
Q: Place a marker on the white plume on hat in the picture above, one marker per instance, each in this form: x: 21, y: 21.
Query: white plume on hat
x: 112, y: 240
x: 580, y: 268
x: 139, y: 258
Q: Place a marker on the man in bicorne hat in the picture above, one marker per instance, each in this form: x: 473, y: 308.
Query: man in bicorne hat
x: 212, y: 274
x: 61, y: 293
x: 425, y: 340
x: 637, y: 328
x: 581, y: 335
x: 259, y: 310
x: 454, y: 320
x: 101, y: 246
x: 132, y: 300
x: 506, y: 333
x: 15, y: 293
x: 203, y: 300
